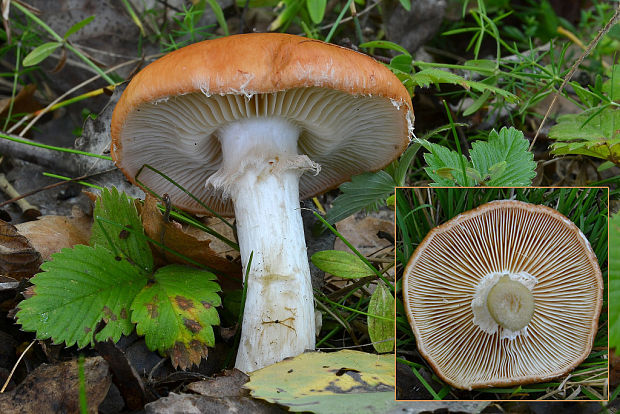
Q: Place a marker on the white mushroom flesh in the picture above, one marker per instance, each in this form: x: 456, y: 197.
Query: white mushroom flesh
x: 260, y: 172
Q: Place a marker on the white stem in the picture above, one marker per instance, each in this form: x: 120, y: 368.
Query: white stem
x: 261, y: 170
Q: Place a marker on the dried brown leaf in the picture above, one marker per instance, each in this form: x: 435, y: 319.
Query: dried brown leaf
x: 6, y: 8
x: 173, y: 236
x: 368, y: 233
x: 230, y: 384
x: 372, y: 235
x: 184, y: 356
x: 23, y: 102
x: 18, y: 257
x: 54, y: 388
x: 50, y: 234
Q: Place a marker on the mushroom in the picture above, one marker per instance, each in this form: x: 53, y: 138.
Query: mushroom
x: 508, y: 293
x: 255, y: 117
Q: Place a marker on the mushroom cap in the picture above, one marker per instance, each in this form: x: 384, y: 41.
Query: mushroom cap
x: 442, y: 275
x: 353, y: 113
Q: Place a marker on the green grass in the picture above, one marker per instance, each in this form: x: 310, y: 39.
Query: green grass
x: 418, y: 210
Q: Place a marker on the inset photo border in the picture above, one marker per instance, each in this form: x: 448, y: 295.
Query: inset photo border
x: 502, y: 293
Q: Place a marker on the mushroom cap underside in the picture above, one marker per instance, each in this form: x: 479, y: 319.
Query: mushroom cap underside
x: 503, y: 237
x: 353, y: 114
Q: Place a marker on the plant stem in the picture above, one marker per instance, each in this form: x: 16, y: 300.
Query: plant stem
x: 65, y: 43
x: 13, y: 92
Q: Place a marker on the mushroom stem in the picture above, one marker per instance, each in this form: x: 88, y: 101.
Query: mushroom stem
x: 510, y: 304
x: 260, y: 172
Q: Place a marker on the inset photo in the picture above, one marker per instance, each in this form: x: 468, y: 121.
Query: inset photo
x: 501, y: 293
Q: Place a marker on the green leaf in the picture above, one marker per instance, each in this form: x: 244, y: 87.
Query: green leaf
x: 219, y: 16
x: 586, y: 96
x: 316, y: 9
x: 614, y: 281
x: 385, y: 44
x: 341, y: 264
x: 483, y: 87
x: 232, y: 306
x: 336, y: 382
x: 611, y: 87
x: 549, y: 22
x: 401, y: 63
x: 364, y: 191
x: 79, y: 288
x: 404, y: 164
x: 79, y: 25
x: 39, y: 53
x: 257, y: 3
x: 406, y: 4
x: 134, y: 17
x: 594, y: 132
x: 176, y: 311
x: 444, y: 165
x: 474, y: 175
x: 498, y: 169
x: 287, y: 15
x: 504, y: 158
x: 605, y: 166
x: 477, y: 104
x: 430, y: 76
x: 118, y: 228
x: 486, y: 66
x: 381, y: 332
x: 446, y: 172
x: 596, y: 124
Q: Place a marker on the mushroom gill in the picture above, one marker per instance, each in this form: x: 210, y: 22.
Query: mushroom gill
x: 505, y: 249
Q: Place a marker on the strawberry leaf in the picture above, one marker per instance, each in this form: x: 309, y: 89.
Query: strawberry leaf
x: 118, y: 228
x: 502, y: 160
x: 78, y: 289
x: 176, y: 311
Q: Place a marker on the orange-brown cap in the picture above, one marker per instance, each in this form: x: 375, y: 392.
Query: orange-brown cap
x: 353, y: 113
x: 447, y: 276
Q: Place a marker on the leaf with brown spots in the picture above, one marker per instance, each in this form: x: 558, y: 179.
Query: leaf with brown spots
x: 327, y: 382
x: 118, y: 228
x: 176, y: 313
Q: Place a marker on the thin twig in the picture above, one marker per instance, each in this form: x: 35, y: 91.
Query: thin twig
x: 342, y: 321
x: 355, y: 346
x: 576, y: 65
x: 152, y: 371
x: 348, y: 19
x: 50, y: 186
x: 70, y: 91
x: 24, y: 205
x: 40, y: 154
x: 6, y: 383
